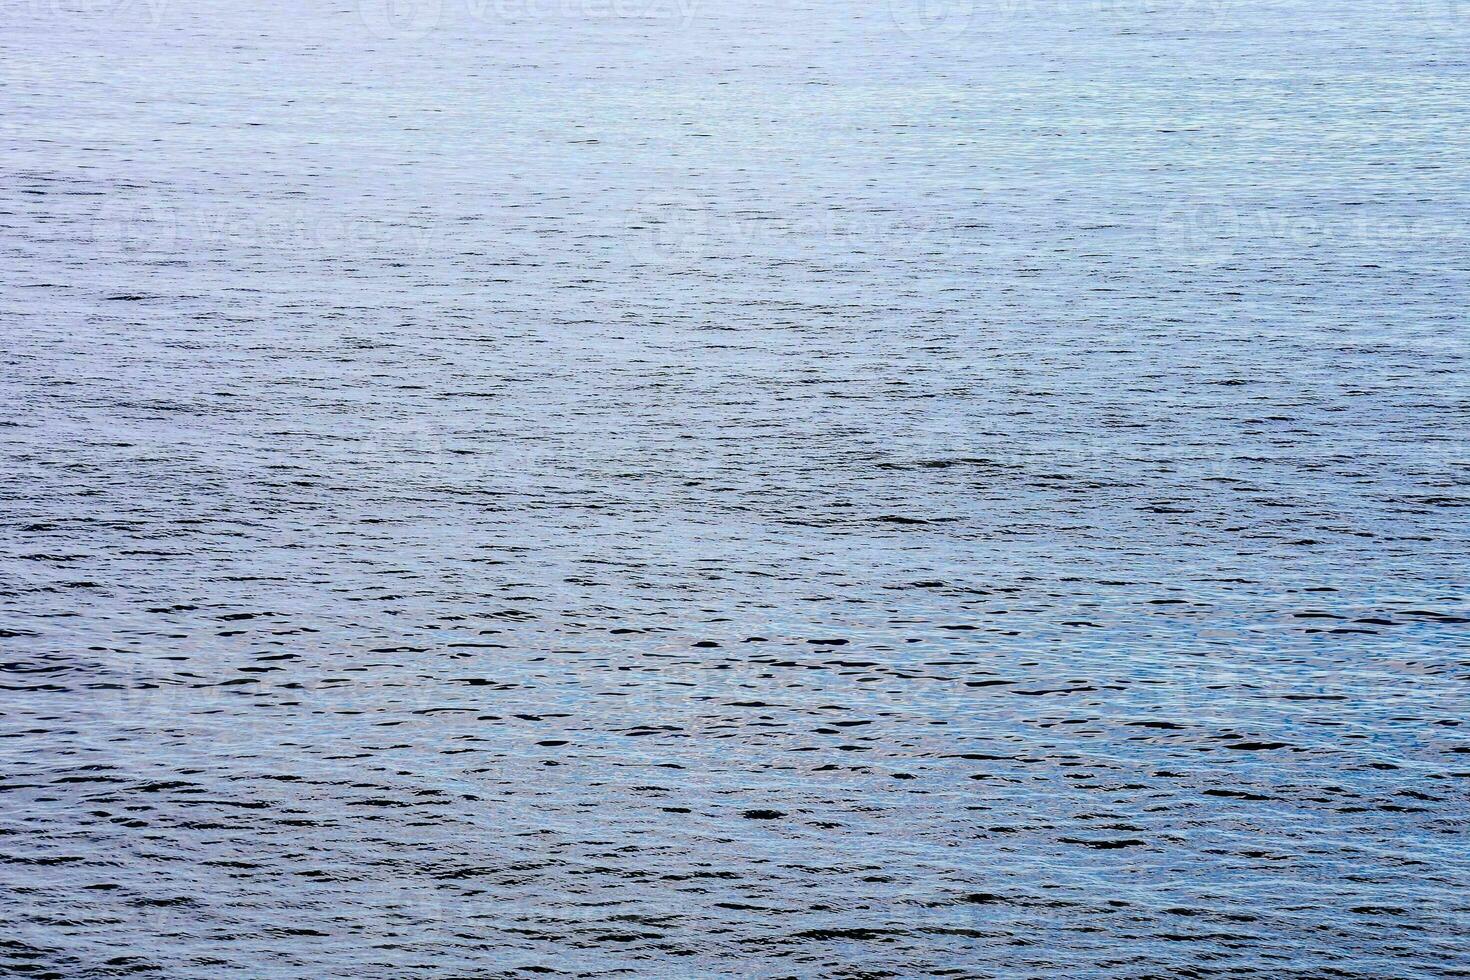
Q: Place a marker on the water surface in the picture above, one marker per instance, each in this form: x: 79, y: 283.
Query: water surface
x: 748, y: 489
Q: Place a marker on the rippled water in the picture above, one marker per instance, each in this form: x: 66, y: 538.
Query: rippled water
x: 760, y: 489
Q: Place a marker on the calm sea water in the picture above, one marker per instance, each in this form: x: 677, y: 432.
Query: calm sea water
x: 689, y: 489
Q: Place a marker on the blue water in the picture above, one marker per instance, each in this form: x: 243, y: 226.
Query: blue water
x: 656, y: 489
